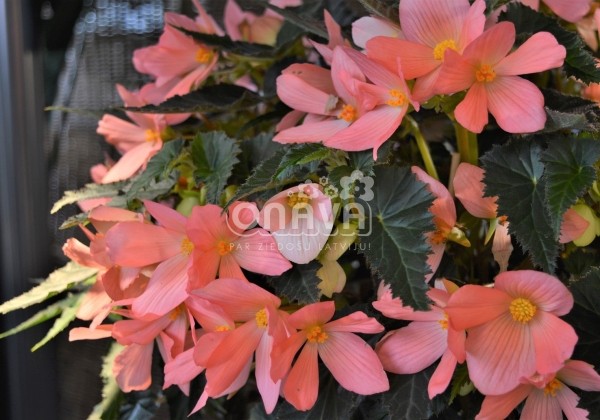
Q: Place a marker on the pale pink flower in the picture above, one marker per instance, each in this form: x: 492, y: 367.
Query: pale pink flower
x: 430, y: 27
x: 300, y: 219
x: 513, y: 329
x: 223, y: 246
x: 351, y: 361
x: 415, y: 347
x: 588, y: 29
x: 490, y: 74
x: 369, y: 27
x: 546, y: 396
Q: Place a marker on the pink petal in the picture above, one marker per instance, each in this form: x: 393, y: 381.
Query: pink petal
x: 434, y: 259
x: 541, y: 406
x: 499, y: 354
x: 203, y: 269
x: 132, y: 367
x: 302, y: 383
x: 95, y: 301
x: 269, y: 389
x: 472, y: 112
x: 229, y: 268
x: 539, y: 53
x: 132, y: 161
x: 502, y: 246
x: 353, y: 363
x: 311, y: 132
x: 257, y: 251
x: 517, y: 104
x: 182, y: 369
x: 79, y: 253
x: 443, y: 374
x: 469, y: 189
x: 493, y: 45
x: 430, y: 22
x: 413, y: 348
x: 580, y: 374
x: 500, y: 406
x: 283, y: 354
x: 314, y: 76
x: 572, y: 226
x: 378, y: 74
x: 474, y: 23
x: 81, y: 333
x: 342, y: 67
x: 426, y: 87
x: 299, y: 95
x: 166, y: 216
x: 303, y: 240
x: 416, y: 59
x: 554, y: 342
x: 133, y: 331
x: 206, y: 226
x: 545, y: 291
x: 568, y: 401
x: 368, y: 27
x: 357, y: 322
x: 123, y: 134
x: 166, y: 288
x: 313, y: 314
x: 569, y: 10
x: 456, y: 74
x: 289, y: 120
x: 472, y: 305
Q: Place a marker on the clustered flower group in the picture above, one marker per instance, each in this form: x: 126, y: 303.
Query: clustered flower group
x: 181, y: 281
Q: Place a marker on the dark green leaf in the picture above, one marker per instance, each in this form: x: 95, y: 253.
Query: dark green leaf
x: 302, y: 154
x: 387, y: 9
x: 66, y: 317
x: 88, y: 192
x: 579, y: 62
x: 157, y: 169
x: 513, y: 172
x: 73, y: 221
x: 569, y: 172
x: 491, y: 5
x: 215, y: 98
x: 299, y: 284
x: 301, y: 17
x: 570, y: 112
x: 396, y: 248
x: 407, y: 398
x: 214, y: 155
x: 235, y: 47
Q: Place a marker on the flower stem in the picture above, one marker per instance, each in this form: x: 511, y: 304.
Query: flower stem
x: 423, y: 148
x: 467, y: 144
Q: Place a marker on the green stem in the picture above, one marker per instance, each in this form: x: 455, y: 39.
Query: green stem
x: 423, y: 148
x: 467, y: 144
x: 473, y: 148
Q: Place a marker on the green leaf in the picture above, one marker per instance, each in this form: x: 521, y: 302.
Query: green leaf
x: 491, y: 5
x: 387, y: 9
x: 158, y: 168
x: 396, y: 248
x: 44, y: 315
x: 579, y: 62
x: 567, y: 112
x: 59, y: 281
x: 87, y: 192
x: 513, y: 172
x: 569, y: 172
x: 223, y: 97
x: 214, y: 155
x: 73, y: 221
x: 407, y: 398
x: 66, y: 317
x: 111, y: 393
x: 299, y: 284
x: 302, y: 18
x: 225, y: 43
x: 301, y: 154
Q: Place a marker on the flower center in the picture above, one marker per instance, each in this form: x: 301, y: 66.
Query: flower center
x: 186, y: 246
x: 348, y: 113
x: 203, y: 55
x: 440, y: 49
x: 298, y: 200
x: 522, y: 310
x: 224, y: 248
x: 222, y: 328
x: 262, y: 319
x: 175, y: 313
x: 552, y: 387
x: 438, y: 237
x: 444, y: 322
x: 152, y: 136
x: 316, y: 335
x: 485, y: 73
x: 397, y: 98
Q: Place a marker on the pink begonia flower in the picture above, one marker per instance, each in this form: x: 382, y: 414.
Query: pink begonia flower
x: 165, y: 244
x: 262, y: 326
x: 300, y: 219
x: 570, y: 10
x: 368, y: 27
x: 430, y: 27
x: 444, y: 218
x: 415, y: 347
x: 490, y: 74
x: 588, y: 29
x: 513, y: 329
x: 336, y: 39
x: 132, y: 366
x: 351, y: 361
x: 179, y: 56
x: 546, y: 396
x: 222, y: 246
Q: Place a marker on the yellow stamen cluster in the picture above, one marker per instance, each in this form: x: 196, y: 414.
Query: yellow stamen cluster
x: 502, y: 220
x: 438, y: 237
x: 552, y: 387
x: 485, y: 73
x: 316, y: 335
x: 204, y: 55
x: 224, y: 248
x: 444, y: 322
x: 397, y: 98
x: 522, y: 310
x: 440, y: 49
x: 348, y: 113
x: 152, y: 136
x: 222, y: 328
x: 298, y: 200
x: 186, y: 246
x: 262, y: 319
